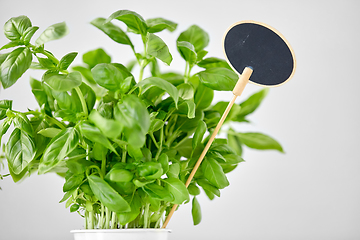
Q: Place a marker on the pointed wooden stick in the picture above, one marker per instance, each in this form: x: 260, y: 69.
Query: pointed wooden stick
x: 238, y: 89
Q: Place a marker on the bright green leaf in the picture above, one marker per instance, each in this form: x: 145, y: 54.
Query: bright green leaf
x: 221, y: 79
x: 196, y: 36
x: 214, y: 173
x: 55, y: 31
x: 199, y: 134
x: 4, y: 106
x: 109, y: 127
x: 187, y: 51
x: 157, y: 48
x: 251, y: 104
x: 133, y: 20
x: 62, y: 82
x: 203, y: 97
x: 94, y: 57
x: 177, y: 189
x: 159, y: 24
x: 259, y: 141
x: 67, y: 60
x: 15, y: 27
x: 196, y: 211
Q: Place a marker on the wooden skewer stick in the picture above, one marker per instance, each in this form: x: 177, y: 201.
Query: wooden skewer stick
x: 238, y: 89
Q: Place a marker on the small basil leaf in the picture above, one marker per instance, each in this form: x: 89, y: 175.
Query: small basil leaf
x: 196, y: 211
x: 214, y: 173
x: 259, y: 141
x: 157, y: 48
x: 67, y: 60
x: 49, y: 132
x: 11, y: 45
x: 29, y: 33
x: 113, y: 31
x: 55, y: 31
x: 133, y: 20
x: 4, y: 106
x: 213, y: 62
x: 196, y: 36
x: 109, y: 127
x: 251, y: 104
x: 159, y: 24
x: 187, y: 51
x: 177, y: 189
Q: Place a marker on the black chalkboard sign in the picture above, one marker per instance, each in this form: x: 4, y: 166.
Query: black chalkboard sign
x: 256, y: 45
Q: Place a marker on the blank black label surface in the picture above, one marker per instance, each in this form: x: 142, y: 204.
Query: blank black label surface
x: 251, y: 44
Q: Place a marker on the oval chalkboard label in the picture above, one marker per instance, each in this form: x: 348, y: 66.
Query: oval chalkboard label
x: 266, y: 51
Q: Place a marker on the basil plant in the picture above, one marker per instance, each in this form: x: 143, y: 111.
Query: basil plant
x: 124, y: 144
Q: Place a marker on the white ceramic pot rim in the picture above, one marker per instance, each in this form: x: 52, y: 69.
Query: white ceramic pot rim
x: 121, y: 230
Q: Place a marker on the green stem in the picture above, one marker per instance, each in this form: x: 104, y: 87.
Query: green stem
x: 113, y: 220
x: 55, y: 121
x: 154, y: 140
x: 107, y: 218
x: 82, y: 100
x: 161, y: 143
x: 186, y: 71
x: 123, y: 158
x: 146, y: 215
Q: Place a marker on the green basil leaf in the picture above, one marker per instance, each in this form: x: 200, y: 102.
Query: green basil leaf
x: 132, y: 113
x: 86, y: 73
x: 20, y: 150
x: 203, y: 97
x: 113, y: 31
x: 174, y: 170
x: 214, y: 173
x: 4, y: 106
x: 134, y: 201
x: 213, y: 62
x: 191, y: 108
x: 178, y: 189
x: 4, y: 126
x: 157, y: 48
x: 186, y: 91
x: 193, y: 189
x: 234, y: 142
x: 73, y: 182
x: 26, y: 37
x: 11, y: 45
x: 89, y: 95
x: 187, y: 51
x: 209, y: 189
x: 49, y: 132
x: 164, y: 161
x: 196, y: 36
x: 221, y: 79
x: 259, y: 141
x: 107, y: 195
x: 159, y: 24
x: 67, y: 60
x: 15, y: 27
x: 150, y: 170
x: 251, y: 104
x: 156, y: 124
x: 199, y: 134
x: 15, y: 65
x: 62, y: 82
x: 162, y: 84
x: 23, y: 123
x: 55, y: 31
x: 107, y: 76
x: 95, y: 135
x: 58, y: 148
x: 196, y: 211
x: 133, y: 20
x: 120, y: 175
x: 158, y: 192
x: 46, y: 63
x: 94, y: 57
x: 109, y: 127
x: 220, y: 107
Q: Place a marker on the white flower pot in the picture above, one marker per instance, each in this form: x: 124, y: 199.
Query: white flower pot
x: 121, y: 234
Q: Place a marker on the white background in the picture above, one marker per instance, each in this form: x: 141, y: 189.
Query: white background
x: 311, y: 192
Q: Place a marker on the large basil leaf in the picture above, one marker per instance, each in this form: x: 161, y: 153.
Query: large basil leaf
x: 55, y: 31
x: 58, y: 148
x: 62, y: 82
x: 134, y: 201
x: 107, y: 195
x: 22, y: 122
x: 4, y: 106
x: 178, y: 189
x: 196, y: 36
x: 26, y: 37
x: 214, y: 173
x: 186, y: 91
x: 133, y: 20
x: 107, y: 76
x: 157, y: 48
x: 14, y: 66
x: 159, y: 24
x: 162, y: 84
x: 94, y: 57
x: 20, y: 150
x: 221, y: 79
x: 187, y: 51
x: 113, y: 31
x: 15, y: 27
x: 259, y: 141
x: 158, y: 192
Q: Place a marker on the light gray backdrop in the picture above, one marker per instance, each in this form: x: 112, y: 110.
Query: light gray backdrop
x: 311, y: 192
